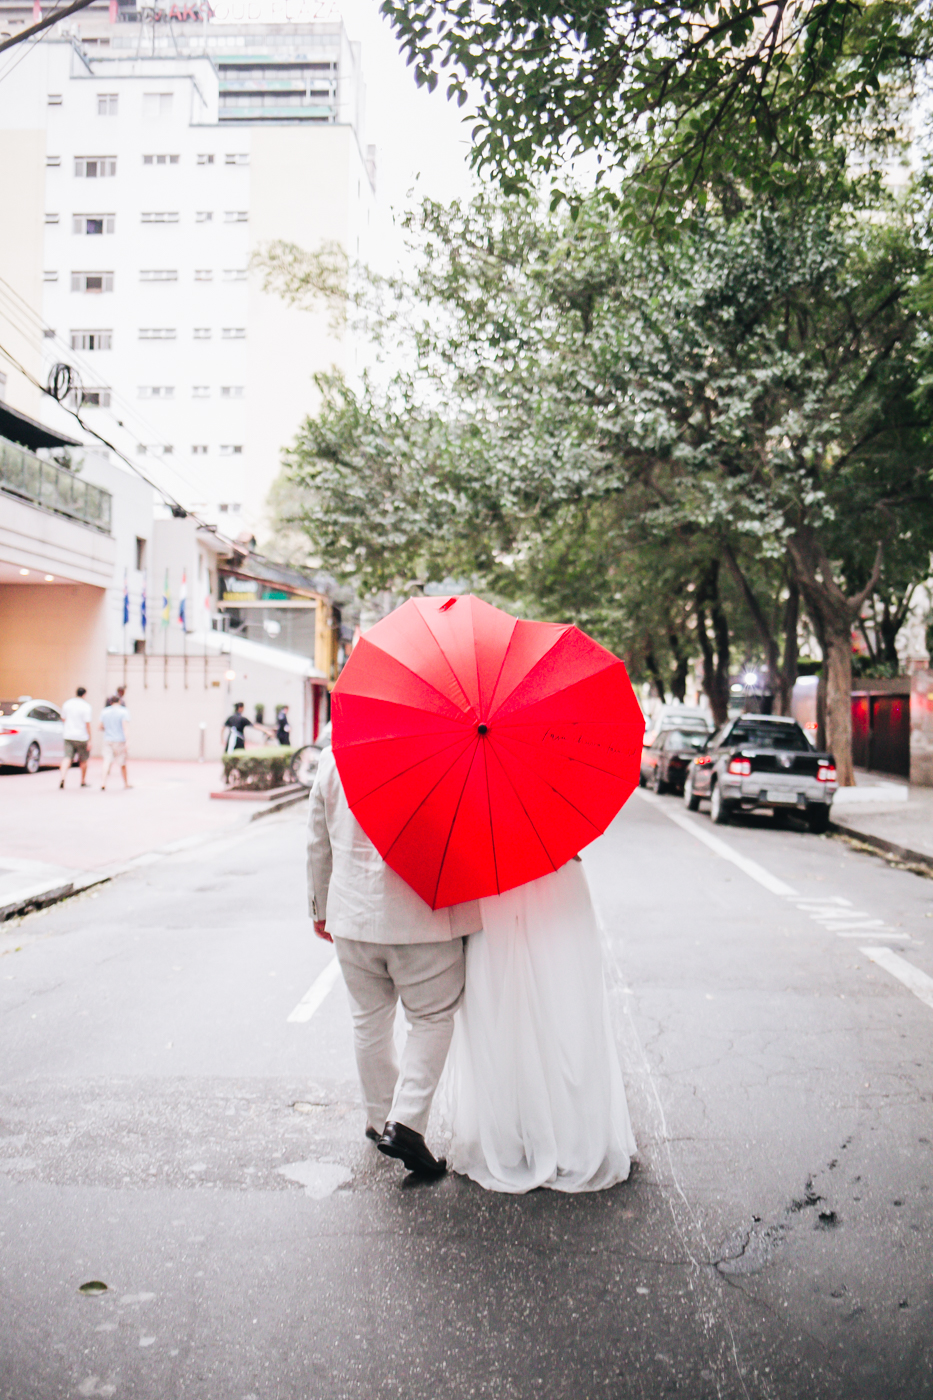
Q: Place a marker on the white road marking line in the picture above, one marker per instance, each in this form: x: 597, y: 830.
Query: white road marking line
x: 317, y: 992
x: 750, y: 867
x: 822, y: 901
x: 890, y: 936
x: 916, y: 981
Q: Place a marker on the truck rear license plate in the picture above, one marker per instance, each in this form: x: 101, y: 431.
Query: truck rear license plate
x: 777, y: 796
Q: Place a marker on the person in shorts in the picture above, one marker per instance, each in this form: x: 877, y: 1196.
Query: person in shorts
x: 114, y: 718
x: 77, y: 715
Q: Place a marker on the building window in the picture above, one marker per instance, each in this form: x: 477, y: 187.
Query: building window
x: 48, y: 333
x: 202, y: 332
x: 159, y: 218
x: 89, y: 225
x: 201, y: 391
x: 160, y: 160
x: 231, y: 449
x: 236, y: 216
x: 51, y: 218
x: 223, y: 507
x: 92, y: 281
x: 233, y: 333
x: 157, y: 333
x: 95, y: 167
x: 95, y: 398
x: 204, y: 216
x: 140, y: 553
x: 159, y: 274
x: 106, y: 104
x: 55, y: 99
x: 232, y: 391
x: 156, y: 105
x: 234, y: 274
x: 241, y: 159
x: 199, y: 451
x: 203, y: 274
x: 156, y: 391
x: 50, y: 276
x: 53, y: 162
x: 205, y: 160
x: 92, y: 340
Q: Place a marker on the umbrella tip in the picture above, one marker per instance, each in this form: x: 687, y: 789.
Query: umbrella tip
x: 482, y: 729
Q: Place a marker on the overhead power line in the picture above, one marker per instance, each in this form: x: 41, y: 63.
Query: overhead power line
x: 44, y: 24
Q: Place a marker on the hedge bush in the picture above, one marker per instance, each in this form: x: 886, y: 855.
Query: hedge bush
x: 259, y: 769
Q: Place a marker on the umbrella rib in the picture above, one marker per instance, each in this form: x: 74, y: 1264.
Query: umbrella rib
x: 418, y: 676
x: 424, y: 799
x: 492, y: 829
x: 447, y: 663
x: 568, y: 758
x: 526, y: 674
x: 453, y: 823
x: 402, y: 771
x: 557, y: 793
x: 525, y: 810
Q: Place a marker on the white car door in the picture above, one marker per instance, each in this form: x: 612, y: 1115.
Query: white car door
x: 48, y: 729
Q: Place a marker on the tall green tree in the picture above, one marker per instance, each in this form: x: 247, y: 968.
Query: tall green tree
x: 720, y: 94
x: 753, y: 389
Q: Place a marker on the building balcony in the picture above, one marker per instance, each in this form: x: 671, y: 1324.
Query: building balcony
x: 53, y: 488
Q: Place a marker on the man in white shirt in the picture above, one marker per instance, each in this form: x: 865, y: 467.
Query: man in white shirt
x: 114, y: 718
x: 391, y: 945
x: 77, y: 715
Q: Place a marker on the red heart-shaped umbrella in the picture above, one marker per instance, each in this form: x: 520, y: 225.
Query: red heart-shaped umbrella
x: 479, y: 751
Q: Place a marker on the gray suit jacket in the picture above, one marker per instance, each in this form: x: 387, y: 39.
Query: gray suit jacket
x: 352, y: 888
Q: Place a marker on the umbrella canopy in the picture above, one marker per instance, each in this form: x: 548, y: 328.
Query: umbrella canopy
x: 479, y: 751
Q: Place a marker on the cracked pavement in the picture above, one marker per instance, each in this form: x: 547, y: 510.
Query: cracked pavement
x: 165, y: 1130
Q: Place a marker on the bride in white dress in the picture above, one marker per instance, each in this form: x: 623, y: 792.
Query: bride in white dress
x: 534, y: 1077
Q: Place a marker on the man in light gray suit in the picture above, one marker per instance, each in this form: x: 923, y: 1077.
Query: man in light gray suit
x: 390, y: 945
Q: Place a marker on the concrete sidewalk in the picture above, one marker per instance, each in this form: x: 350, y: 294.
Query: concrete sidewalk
x: 888, y: 814
x: 56, y: 842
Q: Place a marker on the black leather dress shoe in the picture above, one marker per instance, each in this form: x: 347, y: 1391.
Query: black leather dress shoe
x: 411, y: 1150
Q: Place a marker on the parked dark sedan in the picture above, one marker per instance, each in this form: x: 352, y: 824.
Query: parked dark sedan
x: 762, y: 761
x: 665, y: 761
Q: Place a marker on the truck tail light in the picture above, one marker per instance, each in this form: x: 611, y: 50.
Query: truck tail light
x: 741, y: 767
x: 826, y: 773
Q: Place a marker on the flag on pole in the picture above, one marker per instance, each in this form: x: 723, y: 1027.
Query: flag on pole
x: 166, y: 603
x: 126, y: 600
x: 142, y: 610
x: 182, y: 600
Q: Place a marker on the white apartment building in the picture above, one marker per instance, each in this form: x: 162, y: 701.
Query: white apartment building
x: 143, y: 166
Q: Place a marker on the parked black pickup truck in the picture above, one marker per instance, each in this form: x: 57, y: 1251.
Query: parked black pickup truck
x: 762, y: 761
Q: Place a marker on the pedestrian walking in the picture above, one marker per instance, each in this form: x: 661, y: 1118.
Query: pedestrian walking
x: 77, y: 715
x: 282, y: 730
x: 235, y: 726
x: 113, y: 721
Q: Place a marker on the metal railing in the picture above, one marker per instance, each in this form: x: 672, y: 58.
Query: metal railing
x: 44, y: 484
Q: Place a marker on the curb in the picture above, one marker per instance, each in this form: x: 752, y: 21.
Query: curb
x: 42, y: 899
x: 291, y: 801
x: 888, y: 848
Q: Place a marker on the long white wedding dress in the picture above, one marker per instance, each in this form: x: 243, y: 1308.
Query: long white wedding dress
x: 534, y: 1084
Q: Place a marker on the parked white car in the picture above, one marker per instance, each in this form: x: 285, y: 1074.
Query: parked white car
x: 31, y: 734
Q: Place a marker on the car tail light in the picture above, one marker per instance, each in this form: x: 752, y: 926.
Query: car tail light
x: 5, y: 730
x: 702, y: 762
x: 741, y: 767
x: 826, y: 773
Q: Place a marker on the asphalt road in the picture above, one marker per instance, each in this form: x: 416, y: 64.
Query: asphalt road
x: 167, y: 1129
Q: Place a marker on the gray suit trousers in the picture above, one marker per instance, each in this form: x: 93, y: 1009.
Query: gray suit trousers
x: 428, y: 979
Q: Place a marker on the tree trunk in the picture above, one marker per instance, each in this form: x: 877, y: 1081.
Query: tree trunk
x: 654, y: 671
x: 837, y: 678
x: 715, y: 664
x: 681, y: 667
x: 832, y: 615
x: 787, y: 676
